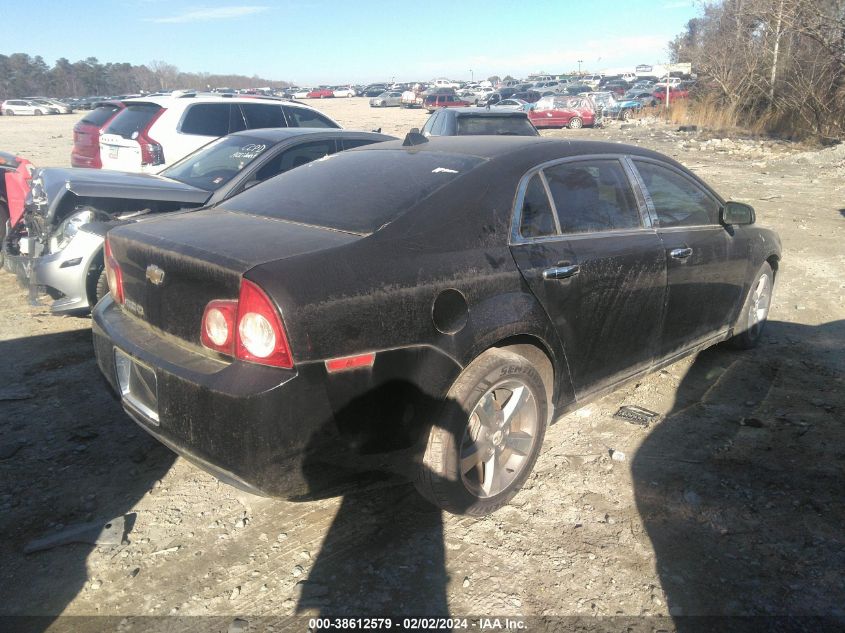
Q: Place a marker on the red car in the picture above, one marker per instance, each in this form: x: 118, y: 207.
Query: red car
x: 674, y: 93
x: 320, y: 93
x: 86, y: 134
x: 15, y: 176
x: 562, y: 111
x: 432, y: 102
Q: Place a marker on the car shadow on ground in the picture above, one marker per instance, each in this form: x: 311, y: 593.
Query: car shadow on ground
x: 740, y: 486
x: 384, y: 551
x: 70, y: 455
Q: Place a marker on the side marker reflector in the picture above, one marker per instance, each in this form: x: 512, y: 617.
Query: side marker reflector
x: 350, y: 362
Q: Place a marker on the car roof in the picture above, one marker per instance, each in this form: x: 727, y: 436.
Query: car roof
x: 483, y: 112
x: 170, y: 101
x: 279, y: 134
x: 494, y: 148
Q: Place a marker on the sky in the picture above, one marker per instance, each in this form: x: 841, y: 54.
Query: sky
x: 311, y: 42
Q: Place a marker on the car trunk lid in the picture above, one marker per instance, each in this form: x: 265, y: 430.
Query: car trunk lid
x: 172, y: 267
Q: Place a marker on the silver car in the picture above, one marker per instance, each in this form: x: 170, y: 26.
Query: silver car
x: 72, y: 209
x: 386, y: 100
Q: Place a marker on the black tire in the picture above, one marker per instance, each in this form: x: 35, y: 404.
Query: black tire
x: 626, y: 114
x: 575, y: 123
x: 440, y: 478
x: 38, y: 113
x: 751, y: 323
x: 9, y: 113
x: 102, y: 288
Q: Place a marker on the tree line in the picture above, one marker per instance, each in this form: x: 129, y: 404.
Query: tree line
x: 22, y: 76
x: 774, y: 65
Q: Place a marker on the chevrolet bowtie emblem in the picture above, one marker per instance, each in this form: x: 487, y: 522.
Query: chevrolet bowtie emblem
x: 155, y: 275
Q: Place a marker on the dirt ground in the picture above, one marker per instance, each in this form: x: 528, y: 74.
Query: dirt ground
x: 731, y: 504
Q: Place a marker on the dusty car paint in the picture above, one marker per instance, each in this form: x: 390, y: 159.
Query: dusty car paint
x: 427, y: 291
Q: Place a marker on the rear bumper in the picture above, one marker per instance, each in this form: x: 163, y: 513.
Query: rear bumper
x: 286, y: 433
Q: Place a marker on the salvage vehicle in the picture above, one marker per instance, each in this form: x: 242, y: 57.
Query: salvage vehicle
x: 424, y: 307
x: 16, y: 174
x: 12, y: 107
x: 571, y: 112
x: 478, y: 121
x: 321, y: 93
x: 71, y: 209
x: 435, y: 101
x: 612, y: 107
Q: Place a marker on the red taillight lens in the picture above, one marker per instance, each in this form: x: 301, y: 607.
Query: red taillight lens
x: 113, y: 274
x: 260, y: 335
x: 335, y: 365
x: 152, y: 153
x: 218, y: 326
x: 250, y: 328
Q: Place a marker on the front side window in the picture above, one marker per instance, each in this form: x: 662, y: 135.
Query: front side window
x: 677, y: 200
x: 295, y: 157
x: 592, y: 196
x: 260, y: 115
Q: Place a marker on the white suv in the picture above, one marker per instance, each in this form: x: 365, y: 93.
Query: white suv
x: 152, y: 133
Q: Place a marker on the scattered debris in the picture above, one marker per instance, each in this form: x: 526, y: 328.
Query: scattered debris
x: 235, y: 593
x: 112, y: 533
x: 168, y: 550
x: 466, y: 581
x: 636, y: 415
x: 617, y: 456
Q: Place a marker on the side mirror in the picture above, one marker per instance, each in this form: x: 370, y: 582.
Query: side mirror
x: 737, y: 213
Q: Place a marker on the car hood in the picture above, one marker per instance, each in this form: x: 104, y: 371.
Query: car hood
x: 50, y: 185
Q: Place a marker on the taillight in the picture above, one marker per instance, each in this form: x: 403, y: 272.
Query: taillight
x: 152, y: 153
x: 113, y: 274
x: 218, y: 326
x: 249, y: 329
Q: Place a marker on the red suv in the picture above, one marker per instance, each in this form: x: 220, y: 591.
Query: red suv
x: 86, y: 134
x: 432, y: 102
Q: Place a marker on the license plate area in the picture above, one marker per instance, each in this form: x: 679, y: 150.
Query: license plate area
x: 113, y: 151
x: 138, y: 384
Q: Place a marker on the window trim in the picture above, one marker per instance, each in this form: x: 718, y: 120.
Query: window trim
x: 692, y: 178
x: 516, y: 237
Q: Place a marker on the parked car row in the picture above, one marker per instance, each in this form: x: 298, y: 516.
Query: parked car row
x: 30, y: 106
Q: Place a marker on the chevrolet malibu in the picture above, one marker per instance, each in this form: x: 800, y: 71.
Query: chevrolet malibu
x: 424, y: 308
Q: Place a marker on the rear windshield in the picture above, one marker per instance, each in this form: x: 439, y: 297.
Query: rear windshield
x: 100, y: 115
x: 133, y: 119
x: 369, y: 188
x: 218, y: 162
x: 498, y: 125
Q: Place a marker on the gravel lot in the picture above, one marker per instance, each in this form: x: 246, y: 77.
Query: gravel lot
x: 731, y: 504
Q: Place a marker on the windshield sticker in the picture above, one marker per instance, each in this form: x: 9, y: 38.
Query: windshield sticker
x: 444, y: 170
x: 249, y: 151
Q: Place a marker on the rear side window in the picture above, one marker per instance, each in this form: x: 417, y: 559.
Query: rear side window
x: 260, y: 115
x: 133, y: 119
x: 677, y: 200
x: 207, y: 119
x: 100, y: 115
x: 302, y: 117
x: 501, y: 125
x: 537, y: 219
x: 592, y: 196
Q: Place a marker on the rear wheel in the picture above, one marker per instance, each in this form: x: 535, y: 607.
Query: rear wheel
x: 755, y: 310
x: 102, y: 286
x: 9, y: 113
x: 38, y: 113
x: 626, y: 114
x: 487, y: 437
x: 575, y: 123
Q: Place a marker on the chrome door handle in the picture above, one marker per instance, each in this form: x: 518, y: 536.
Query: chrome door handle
x: 680, y: 253
x: 561, y: 272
